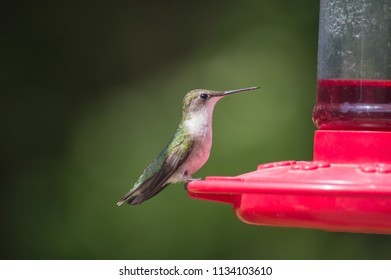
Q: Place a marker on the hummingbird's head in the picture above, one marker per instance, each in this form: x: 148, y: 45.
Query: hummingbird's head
x: 198, y: 100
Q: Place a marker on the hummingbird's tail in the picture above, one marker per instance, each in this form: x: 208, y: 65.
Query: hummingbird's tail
x: 119, y: 203
x: 138, y: 196
x: 127, y: 197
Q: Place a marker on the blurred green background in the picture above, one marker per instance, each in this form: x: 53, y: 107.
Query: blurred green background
x: 92, y: 91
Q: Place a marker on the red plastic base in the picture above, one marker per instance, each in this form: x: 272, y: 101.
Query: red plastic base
x: 349, y: 192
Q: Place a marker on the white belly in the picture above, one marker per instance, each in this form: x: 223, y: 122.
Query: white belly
x: 200, y: 128
x: 198, y: 156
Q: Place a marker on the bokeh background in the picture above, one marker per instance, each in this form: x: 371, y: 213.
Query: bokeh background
x: 92, y: 91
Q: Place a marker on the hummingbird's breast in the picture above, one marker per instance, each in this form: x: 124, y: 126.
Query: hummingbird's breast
x: 199, y: 127
x: 200, y: 153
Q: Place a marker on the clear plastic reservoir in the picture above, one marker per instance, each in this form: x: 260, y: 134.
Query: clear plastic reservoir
x: 354, y: 65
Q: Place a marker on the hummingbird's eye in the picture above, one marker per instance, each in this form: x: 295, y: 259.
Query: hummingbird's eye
x: 204, y: 96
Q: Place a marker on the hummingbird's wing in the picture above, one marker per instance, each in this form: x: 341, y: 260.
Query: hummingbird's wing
x: 155, y: 176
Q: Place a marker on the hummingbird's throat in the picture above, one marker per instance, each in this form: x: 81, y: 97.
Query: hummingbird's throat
x: 197, y: 124
x: 199, y: 121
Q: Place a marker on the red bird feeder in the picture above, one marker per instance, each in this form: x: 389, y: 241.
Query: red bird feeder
x: 347, y: 186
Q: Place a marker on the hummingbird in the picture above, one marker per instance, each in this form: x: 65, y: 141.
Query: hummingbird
x: 186, y: 152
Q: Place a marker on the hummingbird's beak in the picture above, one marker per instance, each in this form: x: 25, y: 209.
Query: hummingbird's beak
x: 228, y: 92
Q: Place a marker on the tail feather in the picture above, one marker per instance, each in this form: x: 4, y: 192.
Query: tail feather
x: 140, y: 198
x: 137, y: 190
x: 134, y: 198
x: 127, y: 197
x: 145, y: 189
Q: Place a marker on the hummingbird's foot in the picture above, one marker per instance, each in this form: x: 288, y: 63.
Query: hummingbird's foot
x: 190, y: 180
